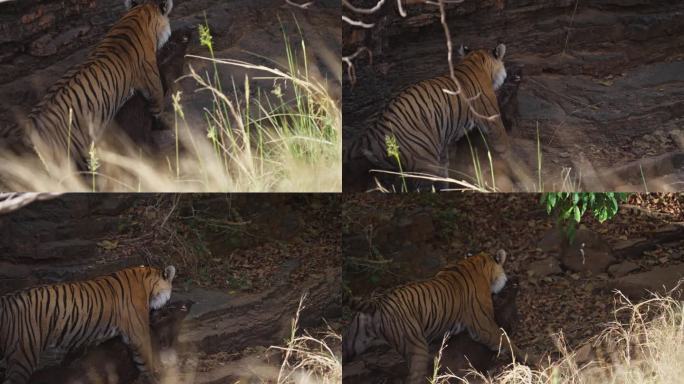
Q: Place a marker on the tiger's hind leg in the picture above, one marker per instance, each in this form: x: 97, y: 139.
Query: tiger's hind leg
x: 418, y: 358
x: 18, y: 372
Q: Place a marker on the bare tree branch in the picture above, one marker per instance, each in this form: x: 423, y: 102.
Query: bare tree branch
x: 356, y: 23
x: 351, y: 71
x: 452, y: 74
x: 12, y: 201
x: 302, y: 5
x: 441, y: 4
x: 365, y: 11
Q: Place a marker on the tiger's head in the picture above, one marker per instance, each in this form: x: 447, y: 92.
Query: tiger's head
x: 492, y: 267
x: 491, y: 62
x: 160, y: 23
x: 160, y: 282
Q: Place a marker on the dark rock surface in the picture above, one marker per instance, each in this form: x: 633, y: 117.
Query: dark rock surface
x: 658, y: 280
x: 545, y: 267
x: 602, y: 83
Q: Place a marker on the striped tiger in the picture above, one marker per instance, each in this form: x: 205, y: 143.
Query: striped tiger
x: 51, y: 320
x: 76, y: 109
x: 424, y: 119
x: 410, y: 317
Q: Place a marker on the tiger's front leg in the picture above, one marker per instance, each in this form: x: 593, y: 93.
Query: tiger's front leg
x: 151, y: 88
x: 499, y: 141
x: 141, y: 346
x: 490, y: 334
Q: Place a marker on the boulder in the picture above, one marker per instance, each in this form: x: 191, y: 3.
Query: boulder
x: 552, y: 241
x: 588, y: 252
x: 622, y: 269
x: 545, y: 267
x: 659, y: 279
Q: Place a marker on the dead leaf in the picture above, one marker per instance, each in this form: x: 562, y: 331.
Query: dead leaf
x: 108, y: 244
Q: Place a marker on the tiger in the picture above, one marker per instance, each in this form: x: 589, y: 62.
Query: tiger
x: 112, y: 362
x: 76, y: 109
x: 424, y: 119
x: 410, y: 317
x: 51, y: 320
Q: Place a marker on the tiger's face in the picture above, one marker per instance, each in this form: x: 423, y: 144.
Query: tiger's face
x: 493, y: 269
x: 161, y: 287
x: 498, y: 68
x: 492, y: 62
x: 160, y: 24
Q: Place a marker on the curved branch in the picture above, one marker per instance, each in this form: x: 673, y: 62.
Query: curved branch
x: 10, y: 202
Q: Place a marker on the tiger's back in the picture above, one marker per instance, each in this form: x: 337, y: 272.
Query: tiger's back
x: 50, y: 320
x: 79, y: 106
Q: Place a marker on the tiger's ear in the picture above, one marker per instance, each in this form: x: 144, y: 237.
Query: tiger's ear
x: 169, y: 273
x: 463, y: 50
x: 500, y: 256
x: 499, y: 51
x: 165, y: 6
x: 131, y: 3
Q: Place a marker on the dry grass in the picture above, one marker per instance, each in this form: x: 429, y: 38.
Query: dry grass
x: 308, y: 360
x: 646, y: 347
x: 257, y: 143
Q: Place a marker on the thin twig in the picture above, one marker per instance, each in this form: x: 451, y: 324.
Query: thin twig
x: 351, y: 71
x: 302, y: 6
x: 357, y: 23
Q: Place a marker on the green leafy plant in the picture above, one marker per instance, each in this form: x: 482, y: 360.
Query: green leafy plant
x: 569, y: 207
x: 393, y: 152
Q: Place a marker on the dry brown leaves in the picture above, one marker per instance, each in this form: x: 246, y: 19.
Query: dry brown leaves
x: 572, y: 303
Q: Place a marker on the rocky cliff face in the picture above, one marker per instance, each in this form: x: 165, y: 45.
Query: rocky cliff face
x: 601, y: 81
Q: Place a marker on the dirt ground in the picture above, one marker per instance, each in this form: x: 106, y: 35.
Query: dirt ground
x: 390, y: 240
x: 244, y: 270
x: 599, y: 81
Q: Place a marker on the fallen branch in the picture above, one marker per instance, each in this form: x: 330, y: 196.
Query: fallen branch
x: 12, y: 201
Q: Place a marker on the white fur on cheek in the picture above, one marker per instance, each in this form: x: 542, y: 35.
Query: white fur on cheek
x: 499, y: 78
x: 499, y: 283
x: 164, y: 34
x: 168, y: 357
x: 160, y: 300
